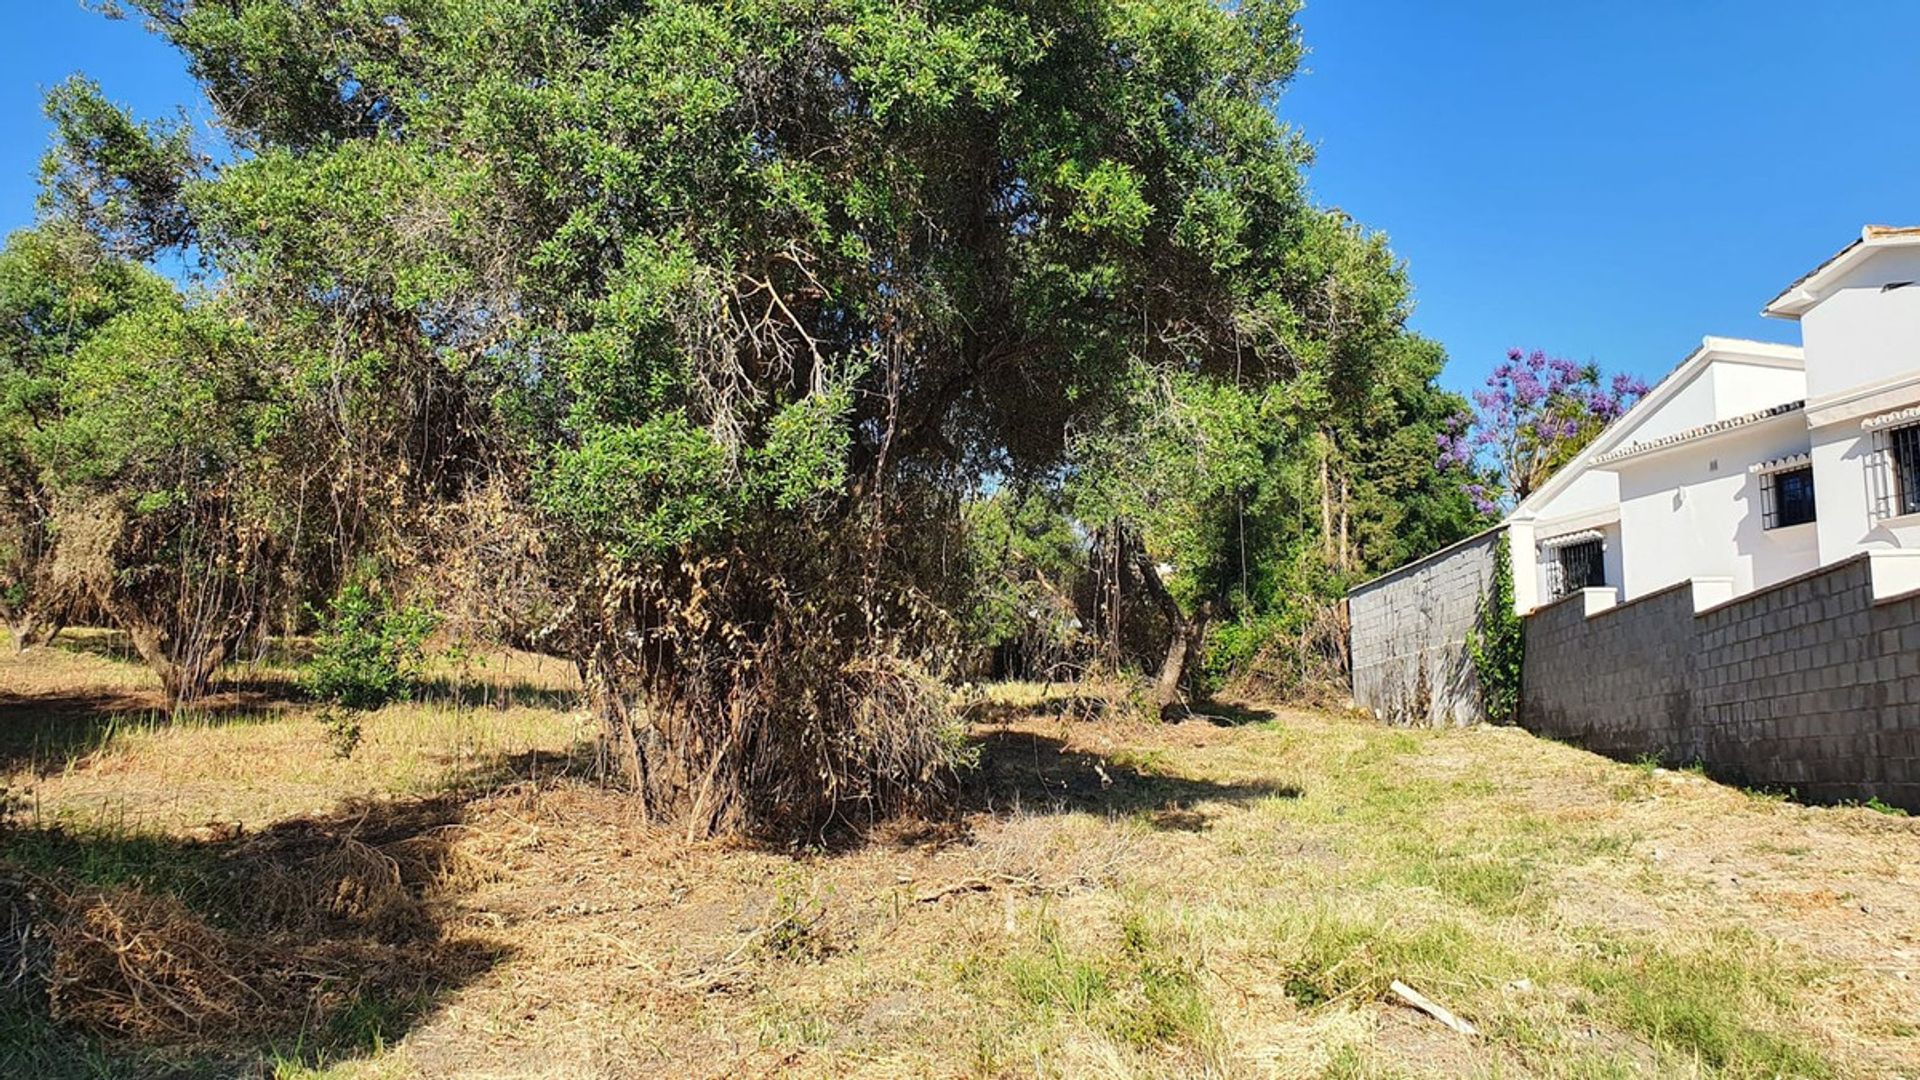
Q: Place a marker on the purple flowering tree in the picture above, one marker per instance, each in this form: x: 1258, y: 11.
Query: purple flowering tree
x: 1534, y: 415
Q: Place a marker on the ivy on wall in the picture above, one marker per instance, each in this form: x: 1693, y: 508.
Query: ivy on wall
x: 1497, y: 645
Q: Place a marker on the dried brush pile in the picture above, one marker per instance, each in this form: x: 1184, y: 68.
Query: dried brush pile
x: 280, y: 935
x: 785, y: 686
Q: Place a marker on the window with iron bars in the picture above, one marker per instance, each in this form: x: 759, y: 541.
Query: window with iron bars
x: 1895, y: 476
x: 1580, y: 565
x: 1787, y: 497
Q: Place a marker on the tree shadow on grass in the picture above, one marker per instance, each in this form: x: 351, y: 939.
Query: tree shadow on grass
x: 42, y: 733
x: 1225, y: 713
x: 1040, y: 773
x: 106, y: 644
x: 316, y: 940
x: 485, y: 693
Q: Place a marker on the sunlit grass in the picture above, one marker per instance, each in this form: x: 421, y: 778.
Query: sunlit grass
x: 1269, y: 881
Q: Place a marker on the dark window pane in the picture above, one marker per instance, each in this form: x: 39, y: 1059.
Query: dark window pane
x: 1905, y: 444
x: 1793, y: 496
x: 1583, y: 566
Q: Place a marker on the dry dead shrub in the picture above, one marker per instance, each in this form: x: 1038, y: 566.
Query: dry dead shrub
x: 315, y: 877
x: 187, y: 584
x: 791, y: 686
x: 292, y: 928
x: 1029, y: 853
x: 1031, y: 847
x: 144, y: 966
x: 488, y: 574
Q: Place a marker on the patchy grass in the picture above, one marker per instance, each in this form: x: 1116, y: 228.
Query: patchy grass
x: 1226, y: 896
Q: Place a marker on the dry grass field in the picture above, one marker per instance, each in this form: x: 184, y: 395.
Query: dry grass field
x: 219, y: 894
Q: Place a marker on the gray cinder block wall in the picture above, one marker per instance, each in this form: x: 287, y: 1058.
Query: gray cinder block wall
x: 1408, y: 635
x: 1811, y: 684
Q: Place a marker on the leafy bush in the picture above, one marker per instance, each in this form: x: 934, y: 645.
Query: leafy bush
x: 1297, y: 651
x: 369, y: 652
x: 1498, y: 644
x: 1233, y: 647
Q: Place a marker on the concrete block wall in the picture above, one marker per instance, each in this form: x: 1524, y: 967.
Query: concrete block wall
x: 1408, y: 635
x: 1618, y: 682
x: 1812, y: 684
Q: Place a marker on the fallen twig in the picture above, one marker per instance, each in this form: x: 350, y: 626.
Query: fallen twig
x: 1432, y: 1008
x: 985, y: 884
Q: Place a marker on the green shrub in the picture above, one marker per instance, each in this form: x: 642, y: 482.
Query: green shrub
x: 1232, y: 648
x: 369, y: 652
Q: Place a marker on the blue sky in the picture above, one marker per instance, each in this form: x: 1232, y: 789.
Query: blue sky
x: 1610, y: 181
x: 1605, y: 181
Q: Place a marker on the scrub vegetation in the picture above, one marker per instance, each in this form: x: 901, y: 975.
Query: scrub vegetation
x: 220, y: 893
x: 694, y: 538
x: 777, y: 366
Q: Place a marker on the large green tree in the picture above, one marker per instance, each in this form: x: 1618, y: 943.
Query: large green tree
x: 686, y: 331
x: 57, y: 291
x: 130, y: 431
x: 1244, y: 503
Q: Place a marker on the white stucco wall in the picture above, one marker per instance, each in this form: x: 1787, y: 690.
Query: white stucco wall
x: 1864, y: 334
x: 1845, y: 489
x: 1740, y: 388
x: 1591, y: 502
x: 1688, y: 406
x: 1696, y: 511
x: 1595, y: 490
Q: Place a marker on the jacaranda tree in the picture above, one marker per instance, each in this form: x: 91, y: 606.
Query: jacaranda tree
x: 1535, y: 414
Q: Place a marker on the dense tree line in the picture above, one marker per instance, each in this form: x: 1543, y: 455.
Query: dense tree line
x: 778, y: 363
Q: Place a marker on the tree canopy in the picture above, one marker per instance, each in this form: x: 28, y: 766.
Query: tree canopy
x: 688, y: 338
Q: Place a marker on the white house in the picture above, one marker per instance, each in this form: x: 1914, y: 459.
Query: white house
x: 1752, y: 462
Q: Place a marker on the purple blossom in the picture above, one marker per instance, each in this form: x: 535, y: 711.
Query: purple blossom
x: 1530, y: 418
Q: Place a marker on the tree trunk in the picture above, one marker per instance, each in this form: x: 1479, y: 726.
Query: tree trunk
x: 1184, y: 634
x: 184, y: 678
x: 1346, y: 551
x: 1167, y: 692
x: 1326, y: 498
x: 31, y: 629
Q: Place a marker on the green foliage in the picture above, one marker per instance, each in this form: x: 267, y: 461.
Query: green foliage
x: 122, y: 179
x: 130, y: 427
x: 1497, y: 643
x: 1699, y: 1006
x: 1027, y: 564
x: 640, y: 490
x: 1145, y: 990
x: 685, y: 338
x: 57, y: 292
x: 1233, y: 648
x: 368, y: 651
x: 1874, y: 804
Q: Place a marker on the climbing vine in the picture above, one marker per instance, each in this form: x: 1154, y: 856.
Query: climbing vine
x: 1497, y: 644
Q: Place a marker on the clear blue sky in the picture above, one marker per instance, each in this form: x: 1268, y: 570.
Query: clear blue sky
x: 1610, y: 181
x: 1605, y: 181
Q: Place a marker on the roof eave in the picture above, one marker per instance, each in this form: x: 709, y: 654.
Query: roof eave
x: 1800, y: 297
x: 1789, y: 305
x: 1703, y: 434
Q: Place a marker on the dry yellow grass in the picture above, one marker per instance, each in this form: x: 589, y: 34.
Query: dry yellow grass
x: 85, y: 736
x: 1207, y: 898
